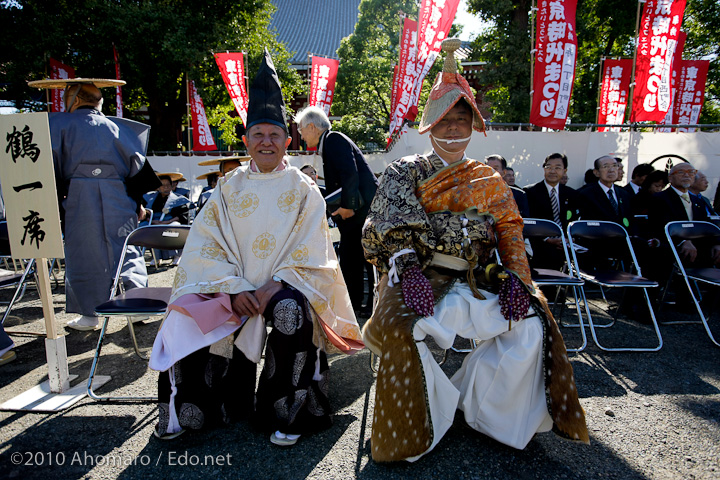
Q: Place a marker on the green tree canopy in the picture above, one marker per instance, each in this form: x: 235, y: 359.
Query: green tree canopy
x: 159, y: 41
x: 367, y: 57
x: 364, y: 85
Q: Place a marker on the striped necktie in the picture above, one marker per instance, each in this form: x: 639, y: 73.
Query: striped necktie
x: 613, y: 202
x: 555, y: 206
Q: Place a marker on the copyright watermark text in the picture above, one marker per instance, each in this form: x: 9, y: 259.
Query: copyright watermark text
x: 116, y: 459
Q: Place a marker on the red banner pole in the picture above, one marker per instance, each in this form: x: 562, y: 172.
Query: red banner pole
x: 189, y: 117
x: 600, y: 82
x: 533, y: 52
x: 628, y: 111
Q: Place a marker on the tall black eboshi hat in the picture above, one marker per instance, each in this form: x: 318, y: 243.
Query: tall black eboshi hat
x: 266, y: 104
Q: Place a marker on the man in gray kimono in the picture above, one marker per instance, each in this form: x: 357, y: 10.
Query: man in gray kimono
x: 101, y: 174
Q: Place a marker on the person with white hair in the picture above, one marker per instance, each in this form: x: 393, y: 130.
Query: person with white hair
x: 346, y: 171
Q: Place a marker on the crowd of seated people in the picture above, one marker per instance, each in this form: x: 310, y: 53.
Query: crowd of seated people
x: 172, y: 205
x: 643, y: 206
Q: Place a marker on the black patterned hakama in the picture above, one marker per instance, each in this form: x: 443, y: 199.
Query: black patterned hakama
x: 292, y: 394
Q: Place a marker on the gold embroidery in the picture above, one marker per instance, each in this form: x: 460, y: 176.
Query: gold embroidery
x: 216, y: 288
x: 299, y: 256
x: 210, y: 214
x: 263, y: 245
x: 243, y: 205
x: 214, y: 251
x: 300, y: 220
x: 180, y: 278
x: 289, y: 201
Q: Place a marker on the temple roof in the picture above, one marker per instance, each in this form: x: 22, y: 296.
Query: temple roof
x: 313, y: 26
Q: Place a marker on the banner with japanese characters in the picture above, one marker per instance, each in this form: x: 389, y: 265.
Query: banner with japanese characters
x: 555, y: 57
x: 668, y: 119
x: 406, y: 75
x: 690, y: 93
x: 322, y: 82
x: 28, y: 181
x: 233, y: 72
x: 202, y: 135
x: 436, y: 18
x: 614, y: 92
x: 395, y: 88
x: 657, y: 41
x: 118, y: 89
x: 59, y: 70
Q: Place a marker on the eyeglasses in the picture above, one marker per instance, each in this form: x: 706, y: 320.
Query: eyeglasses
x: 687, y: 173
x: 553, y: 168
x: 609, y: 166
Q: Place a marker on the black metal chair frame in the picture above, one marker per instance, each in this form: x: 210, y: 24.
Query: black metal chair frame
x: 542, y: 228
x: 693, y: 230
x: 603, y: 230
x: 136, y: 301
x: 18, y: 276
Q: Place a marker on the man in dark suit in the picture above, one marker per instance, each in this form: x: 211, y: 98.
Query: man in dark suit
x: 696, y: 192
x: 548, y: 253
x: 675, y: 203
x: 499, y: 164
x: 639, y: 174
x: 344, y: 167
x: 604, y: 200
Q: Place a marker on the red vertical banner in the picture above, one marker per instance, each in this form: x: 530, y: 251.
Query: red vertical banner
x: 202, y: 135
x: 59, y: 70
x: 614, y: 92
x: 677, y: 63
x: 118, y: 89
x: 657, y: 41
x: 233, y: 73
x: 322, y: 82
x: 406, y: 74
x: 690, y: 93
x: 555, y: 56
x: 395, y: 95
x: 395, y: 88
x: 436, y: 18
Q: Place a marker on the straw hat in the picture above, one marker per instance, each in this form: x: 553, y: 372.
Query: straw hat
x: 65, y: 82
x: 174, y: 176
x: 448, y: 89
x: 220, y: 160
x: 206, y: 175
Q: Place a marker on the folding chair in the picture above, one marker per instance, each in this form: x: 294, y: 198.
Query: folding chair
x: 610, y: 240
x: 137, y: 301
x: 696, y: 232
x: 541, y: 228
x: 13, y: 276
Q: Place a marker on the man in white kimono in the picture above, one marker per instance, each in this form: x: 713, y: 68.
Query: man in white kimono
x: 259, y: 253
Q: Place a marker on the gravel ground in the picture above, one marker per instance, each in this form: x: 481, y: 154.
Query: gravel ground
x: 650, y: 415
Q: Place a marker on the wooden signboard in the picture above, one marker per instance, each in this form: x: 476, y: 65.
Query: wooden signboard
x: 31, y: 207
x: 28, y: 184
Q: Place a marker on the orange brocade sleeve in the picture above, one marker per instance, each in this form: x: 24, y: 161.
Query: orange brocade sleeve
x: 469, y: 184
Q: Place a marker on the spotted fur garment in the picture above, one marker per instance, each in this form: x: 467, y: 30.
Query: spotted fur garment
x: 401, y: 425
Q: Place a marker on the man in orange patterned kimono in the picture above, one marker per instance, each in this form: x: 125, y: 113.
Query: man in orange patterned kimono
x: 432, y: 230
